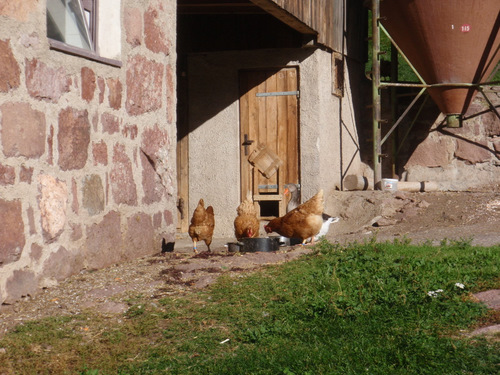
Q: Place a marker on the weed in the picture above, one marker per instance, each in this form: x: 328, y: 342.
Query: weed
x: 87, y: 371
x: 135, y: 310
x: 462, y: 243
x: 428, y: 243
x: 404, y: 241
x: 444, y: 242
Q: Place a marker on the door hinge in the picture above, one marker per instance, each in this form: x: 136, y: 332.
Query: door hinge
x: 278, y: 93
x: 268, y: 186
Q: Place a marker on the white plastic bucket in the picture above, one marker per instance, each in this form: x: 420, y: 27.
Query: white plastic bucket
x: 389, y: 184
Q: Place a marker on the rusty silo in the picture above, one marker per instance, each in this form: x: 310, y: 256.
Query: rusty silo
x: 453, y: 44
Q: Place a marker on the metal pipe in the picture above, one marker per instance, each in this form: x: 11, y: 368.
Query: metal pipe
x: 394, y: 108
x: 412, y: 123
x: 377, y: 147
x: 450, y: 84
x: 402, y: 54
x: 402, y: 116
x: 341, y: 98
x: 492, y: 107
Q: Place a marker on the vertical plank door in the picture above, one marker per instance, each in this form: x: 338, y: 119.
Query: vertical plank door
x: 269, y: 122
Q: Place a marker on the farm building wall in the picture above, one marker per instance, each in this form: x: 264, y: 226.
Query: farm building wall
x: 87, y: 149
x: 455, y: 159
x: 214, y: 147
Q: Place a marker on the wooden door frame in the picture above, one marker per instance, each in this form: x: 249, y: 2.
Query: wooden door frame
x: 182, y: 152
x: 182, y: 184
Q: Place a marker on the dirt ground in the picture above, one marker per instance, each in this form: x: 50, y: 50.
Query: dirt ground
x: 422, y: 217
x: 472, y: 216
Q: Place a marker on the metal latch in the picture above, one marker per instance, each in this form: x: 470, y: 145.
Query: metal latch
x: 247, y: 142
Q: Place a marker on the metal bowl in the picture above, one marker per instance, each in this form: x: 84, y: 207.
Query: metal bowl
x: 264, y: 244
x: 285, y: 241
x: 234, y: 247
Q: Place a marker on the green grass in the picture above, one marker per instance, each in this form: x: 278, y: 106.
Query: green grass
x: 362, y: 308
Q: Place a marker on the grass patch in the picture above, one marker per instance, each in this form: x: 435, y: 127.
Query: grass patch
x: 363, y: 308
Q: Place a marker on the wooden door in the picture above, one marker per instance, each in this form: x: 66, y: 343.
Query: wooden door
x: 269, y: 122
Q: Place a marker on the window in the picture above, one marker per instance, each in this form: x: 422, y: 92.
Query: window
x: 337, y: 74
x: 89, y: 8
x: 72, y: 27
x: 70, y: 22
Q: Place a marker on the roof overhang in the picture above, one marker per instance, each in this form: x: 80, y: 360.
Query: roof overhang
x: 244, y: 7
x: 284, y: 16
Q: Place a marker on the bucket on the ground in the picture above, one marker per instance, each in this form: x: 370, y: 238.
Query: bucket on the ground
x: 234, y: 247
x: 389, y: 184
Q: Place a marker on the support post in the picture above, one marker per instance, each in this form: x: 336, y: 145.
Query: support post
x: 394, y: 109
x: 377, y: 146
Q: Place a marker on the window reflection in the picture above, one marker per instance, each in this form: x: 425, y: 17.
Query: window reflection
x: 66, y: 23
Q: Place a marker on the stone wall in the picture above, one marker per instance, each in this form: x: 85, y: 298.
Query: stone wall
x: 87, y: 150
x: 461, y: 158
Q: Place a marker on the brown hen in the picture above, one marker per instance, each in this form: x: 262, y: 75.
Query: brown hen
x: 246, y: 224
x: 303, y: 222
x: 202, y: 225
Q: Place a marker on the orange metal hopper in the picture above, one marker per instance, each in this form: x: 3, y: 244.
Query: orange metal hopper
x: 448, y: 42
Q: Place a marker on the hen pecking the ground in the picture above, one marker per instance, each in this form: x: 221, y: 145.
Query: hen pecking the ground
x: 202, y: 225
x: 303, y: 222
x: 294, y: 191
x: 246, y: 224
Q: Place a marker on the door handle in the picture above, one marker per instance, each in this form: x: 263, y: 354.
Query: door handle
x: 247, y: 142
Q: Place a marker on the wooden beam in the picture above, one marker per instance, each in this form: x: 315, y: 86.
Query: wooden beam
x: 217, y: 7
x: 291, y: 20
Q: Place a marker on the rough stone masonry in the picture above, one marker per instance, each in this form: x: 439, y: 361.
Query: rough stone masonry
x: 87, y: 148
